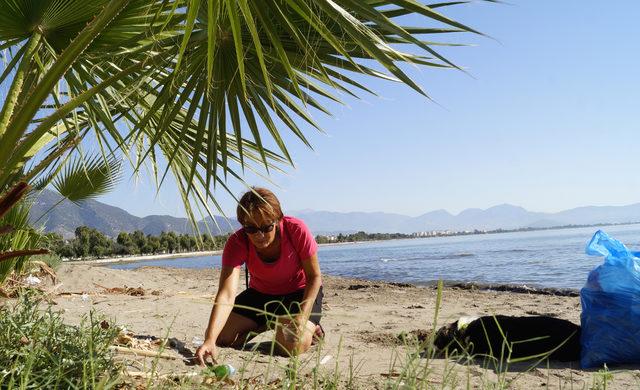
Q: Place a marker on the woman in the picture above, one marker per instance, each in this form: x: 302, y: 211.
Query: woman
x: 281, y: 256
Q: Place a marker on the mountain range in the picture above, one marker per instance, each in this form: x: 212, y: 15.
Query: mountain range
x: 63, y: 216
x: 66, y: 216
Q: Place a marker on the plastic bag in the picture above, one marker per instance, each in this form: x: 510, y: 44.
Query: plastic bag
x: 610, y: 300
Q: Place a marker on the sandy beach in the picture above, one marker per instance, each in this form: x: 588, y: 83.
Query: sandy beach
x: 362, y: 319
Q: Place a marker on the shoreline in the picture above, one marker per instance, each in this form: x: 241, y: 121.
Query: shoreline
x: 132, y: 259
x: 471, y: 286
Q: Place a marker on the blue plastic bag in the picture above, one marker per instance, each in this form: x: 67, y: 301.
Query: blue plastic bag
x: 610, y: 300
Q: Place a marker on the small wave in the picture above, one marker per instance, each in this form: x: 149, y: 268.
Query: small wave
x: 387, y: 259
x: 457, y: 255
x: 511, y: 251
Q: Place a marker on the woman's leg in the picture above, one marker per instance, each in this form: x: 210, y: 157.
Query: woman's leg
x: 242, y: 320
x: 235, y: 331
x: 285, y: 328
x: 291, y: 340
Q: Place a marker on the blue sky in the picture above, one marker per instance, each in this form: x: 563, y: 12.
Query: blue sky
x: 546, y: 122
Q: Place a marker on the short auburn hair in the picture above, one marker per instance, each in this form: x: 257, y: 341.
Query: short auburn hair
x: 258, y: 201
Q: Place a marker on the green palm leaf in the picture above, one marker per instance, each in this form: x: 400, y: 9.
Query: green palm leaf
x: 193, y: 88
x: 83, y: 179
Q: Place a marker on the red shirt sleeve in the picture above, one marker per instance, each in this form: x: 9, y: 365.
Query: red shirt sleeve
x: 235, y: 250
x: 301, y: 238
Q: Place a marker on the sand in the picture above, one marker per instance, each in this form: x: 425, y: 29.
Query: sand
x: 362, y: 319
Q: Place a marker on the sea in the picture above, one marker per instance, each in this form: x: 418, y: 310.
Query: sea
x: 537, y: 259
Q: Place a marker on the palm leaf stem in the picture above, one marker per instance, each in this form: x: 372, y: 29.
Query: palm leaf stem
x: 12, y: 197
x: 46, y: 162
x: 62, y: 199
x: 46, y: 124
x: 18, y: 80
x: 20, y: 253
x: 6, y: 229
x: 11, y: 42
x: 12, y: 64
x: 20, y: 122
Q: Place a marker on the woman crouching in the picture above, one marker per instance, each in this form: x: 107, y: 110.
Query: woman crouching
x: 285, y: 285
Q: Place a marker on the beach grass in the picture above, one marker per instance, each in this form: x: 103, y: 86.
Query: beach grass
x: 38, y: 350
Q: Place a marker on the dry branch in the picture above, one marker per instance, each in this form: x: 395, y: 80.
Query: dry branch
x: 142, y: 352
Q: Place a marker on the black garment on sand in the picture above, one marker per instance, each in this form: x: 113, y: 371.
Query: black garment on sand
x: 276, y: 305
x: 482, y: 336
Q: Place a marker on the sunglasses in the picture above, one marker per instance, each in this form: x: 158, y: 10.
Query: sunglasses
x: 264, y: 229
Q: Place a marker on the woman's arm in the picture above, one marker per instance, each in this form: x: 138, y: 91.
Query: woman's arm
x: 222, y: 307
x: 313, y: 275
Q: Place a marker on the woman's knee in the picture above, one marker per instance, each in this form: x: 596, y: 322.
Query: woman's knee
x: 294, y: 348
x: 293, y: 342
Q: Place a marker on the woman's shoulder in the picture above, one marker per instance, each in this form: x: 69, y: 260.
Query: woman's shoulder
x: 235, y: 249
x: 237, y: 237
x: 295, y: 226
x: 301, y: 237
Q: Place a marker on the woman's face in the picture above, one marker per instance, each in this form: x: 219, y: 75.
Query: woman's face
x: 266, y: 232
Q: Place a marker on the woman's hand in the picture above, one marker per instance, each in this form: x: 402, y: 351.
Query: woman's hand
x: 293, y: 329
x: 294, y: 335
x: 208, y: 348
x: 301, y: 326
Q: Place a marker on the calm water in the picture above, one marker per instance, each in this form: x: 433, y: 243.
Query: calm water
x: 552, y: 258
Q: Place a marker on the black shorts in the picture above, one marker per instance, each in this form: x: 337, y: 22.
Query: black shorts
x: 274, y: 305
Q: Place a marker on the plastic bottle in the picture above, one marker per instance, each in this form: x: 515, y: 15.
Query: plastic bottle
x: 223, y: 371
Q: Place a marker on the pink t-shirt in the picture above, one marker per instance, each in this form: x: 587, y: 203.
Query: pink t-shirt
x: 284, y: 275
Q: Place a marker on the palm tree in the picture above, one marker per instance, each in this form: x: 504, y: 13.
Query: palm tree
x: 191, y: 88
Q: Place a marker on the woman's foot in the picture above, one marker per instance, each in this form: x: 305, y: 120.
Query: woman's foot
x: 318, y: 334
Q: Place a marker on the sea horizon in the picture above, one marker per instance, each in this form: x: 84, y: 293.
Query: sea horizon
x: 536, y: 259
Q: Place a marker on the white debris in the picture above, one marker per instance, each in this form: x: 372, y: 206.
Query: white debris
x: 85, y: 297
x: 32, y: 280
x: 325, y: 359
x: 197, y: 341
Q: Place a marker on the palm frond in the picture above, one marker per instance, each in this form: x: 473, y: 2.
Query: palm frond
x: 196, y: 88
x: 87, y: 178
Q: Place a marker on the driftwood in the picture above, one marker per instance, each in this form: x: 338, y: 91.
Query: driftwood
x: 142, y: 374
x: 133, y: 291
x: 45, y: 270
x: 142, y: 352
x: 14, y: 283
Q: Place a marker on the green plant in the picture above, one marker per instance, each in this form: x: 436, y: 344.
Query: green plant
x: 52, y: 260
x: 37, y: 350
x: 602, y: 379
x: 17, y: 238
x: 193, y: 88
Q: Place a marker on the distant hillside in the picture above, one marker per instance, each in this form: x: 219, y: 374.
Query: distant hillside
x: 66, y: 216
x: 111, y: 220
x: 330, y: 222
x: 498, y: 217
